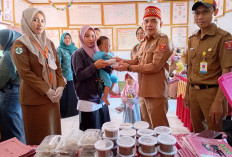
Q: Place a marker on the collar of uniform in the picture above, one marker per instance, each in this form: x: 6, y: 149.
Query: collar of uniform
x: 212, y: 31
x: 153, y: 36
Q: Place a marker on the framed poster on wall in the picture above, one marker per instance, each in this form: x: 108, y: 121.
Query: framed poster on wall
x: 85, y: 14
x: 179, y: 36
x: 180, y: 13
x: 119, y: 14
x: 54, y: 35
x: 220, y: 6
x: 19, y: 7
x: 126, y: 39
x: 54, y: 18
x: 8, y: 12
x: 228, y: 5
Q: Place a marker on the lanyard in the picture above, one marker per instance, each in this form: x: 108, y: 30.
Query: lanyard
x: 45, y: 54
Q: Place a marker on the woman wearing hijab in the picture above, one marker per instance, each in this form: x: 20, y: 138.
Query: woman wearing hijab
x: 92, y: 112
x: 68, y: 101
x: 11, y: 119
x: 140, y: 36
x: 42, y: 82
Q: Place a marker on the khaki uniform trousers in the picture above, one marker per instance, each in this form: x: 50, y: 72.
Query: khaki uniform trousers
x: 154, y: 111
x: 200, y: 103
x: 41, y: 121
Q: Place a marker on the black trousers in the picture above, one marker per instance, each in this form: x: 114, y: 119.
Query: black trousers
x: 95, y: 119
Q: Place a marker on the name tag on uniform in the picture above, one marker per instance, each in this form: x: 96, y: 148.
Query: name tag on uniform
x: 203, y: 67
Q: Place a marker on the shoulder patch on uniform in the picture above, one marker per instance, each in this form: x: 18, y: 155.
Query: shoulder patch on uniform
x: 18, y: 50
x: 162, y: 47
x: 228, y: 45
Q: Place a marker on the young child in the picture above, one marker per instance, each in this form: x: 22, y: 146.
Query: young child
x: 173, y: 83
x: 103, y: 44
x: 130, y: 99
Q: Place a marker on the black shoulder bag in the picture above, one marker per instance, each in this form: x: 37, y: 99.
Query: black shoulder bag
x: 99, y: 81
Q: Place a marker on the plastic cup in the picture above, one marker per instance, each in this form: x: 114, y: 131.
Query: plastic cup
x: 147, y: 144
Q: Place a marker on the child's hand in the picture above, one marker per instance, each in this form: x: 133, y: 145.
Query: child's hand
x: 118, y: 109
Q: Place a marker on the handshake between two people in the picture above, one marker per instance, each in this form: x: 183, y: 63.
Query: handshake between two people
x: 55, y: 95
x: 116, y: 62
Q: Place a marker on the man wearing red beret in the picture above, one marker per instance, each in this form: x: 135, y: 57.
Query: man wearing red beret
x: 151, y: 65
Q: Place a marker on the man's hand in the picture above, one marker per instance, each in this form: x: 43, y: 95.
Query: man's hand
x: 50, y: 93
x: 121, y: 67
x: 216, y: 111
x: 58, y: 94
x: 100, y: 63
x: 187, y: 100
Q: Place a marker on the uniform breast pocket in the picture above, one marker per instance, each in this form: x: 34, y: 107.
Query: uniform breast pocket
x: 149, y: 57
x: 191, y: 54
x: 212, y: 59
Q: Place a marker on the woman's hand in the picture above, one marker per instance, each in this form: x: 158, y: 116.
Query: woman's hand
x: 118, y: 59
x: 50, y: 93
x: 58, y: 94
x: 100, y: 63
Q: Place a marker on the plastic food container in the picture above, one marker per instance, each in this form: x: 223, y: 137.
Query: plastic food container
x: 126, y: 126
x: 127, y: 132
x: 145, y: 132
x: 89, y: 138
x: 111, y: 129
x: 141, y: 125
x: 114, y: 139
x: 125, y: 145
x: 165, y: 154
x: 120, y: 155
x: 104, y: 147
x: 160, y: 130
x: 142, y: 154
x: 167, y: 143
x: 147, y: 143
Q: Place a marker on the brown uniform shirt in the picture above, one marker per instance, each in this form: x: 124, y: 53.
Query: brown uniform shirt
x: 218, y: 55
x: 151, y: 64
x: 33, y: 88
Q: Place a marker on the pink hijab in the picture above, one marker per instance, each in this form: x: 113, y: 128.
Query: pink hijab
x: 89, y: 50
x: 136, y: 86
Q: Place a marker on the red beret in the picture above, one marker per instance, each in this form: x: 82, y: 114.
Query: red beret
x: 152, y: 11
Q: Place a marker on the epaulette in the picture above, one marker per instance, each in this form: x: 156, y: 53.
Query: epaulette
x: 222, y: 32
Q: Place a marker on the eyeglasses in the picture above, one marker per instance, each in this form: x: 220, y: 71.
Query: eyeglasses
x: 204, y: 12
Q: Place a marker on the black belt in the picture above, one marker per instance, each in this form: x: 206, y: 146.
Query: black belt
x: 203, y: 86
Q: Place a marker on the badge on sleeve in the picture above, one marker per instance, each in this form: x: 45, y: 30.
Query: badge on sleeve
x: 228, y: 45
x: 162, y: 47
x: 19, y: 50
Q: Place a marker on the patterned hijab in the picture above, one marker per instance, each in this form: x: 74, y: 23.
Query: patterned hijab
x: 71, y: 48
x: 41, y: 39
x: 89, y: 50
x: 135, y: 85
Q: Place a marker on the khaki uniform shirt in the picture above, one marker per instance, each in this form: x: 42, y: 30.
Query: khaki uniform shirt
x: 217, y: 44
x: 151, y: 64
x: 33, y: 88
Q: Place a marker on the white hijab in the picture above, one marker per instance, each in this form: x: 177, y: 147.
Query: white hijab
x: 41, y: 39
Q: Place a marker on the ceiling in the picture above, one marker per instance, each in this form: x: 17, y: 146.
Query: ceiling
x: 66, y: 1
